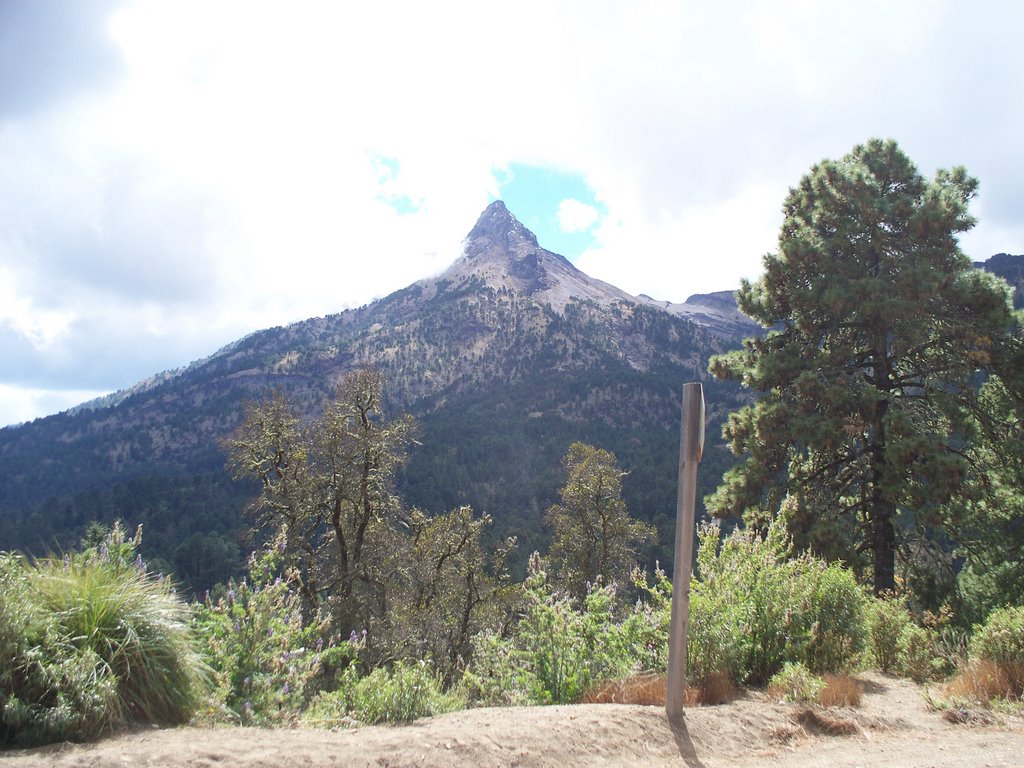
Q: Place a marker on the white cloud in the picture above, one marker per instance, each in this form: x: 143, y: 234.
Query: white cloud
x: 20, y: 404
x: 221, y: 172
x: 575, y: 216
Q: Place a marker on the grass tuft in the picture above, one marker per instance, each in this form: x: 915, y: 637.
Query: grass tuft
x: 841, y: 691
x: 716, y: 688
x: 985, y: 680
x: 652, y: 690
x: 647, y: 690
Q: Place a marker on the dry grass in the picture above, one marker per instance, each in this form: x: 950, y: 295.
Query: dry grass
x: 651, y: 690
x: 638, y: 689
x: 717, y: 688
x: 841, y: 691
x: 823, y: 723
x: 984, y: 680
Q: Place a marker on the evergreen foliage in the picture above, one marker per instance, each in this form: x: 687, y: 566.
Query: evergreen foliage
x: 878, y: 329
x: 988, y: 513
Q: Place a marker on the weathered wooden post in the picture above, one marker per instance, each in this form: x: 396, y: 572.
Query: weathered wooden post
x: 691, y: 448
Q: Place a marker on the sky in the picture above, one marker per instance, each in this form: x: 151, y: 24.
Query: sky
x: 177, y: 174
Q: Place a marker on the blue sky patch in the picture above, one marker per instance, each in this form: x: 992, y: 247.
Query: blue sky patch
x: 559, y: 208
x: 387, y: 177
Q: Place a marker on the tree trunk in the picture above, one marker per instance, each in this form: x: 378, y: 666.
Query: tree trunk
x: 883, y: 508
x: 883, y: 544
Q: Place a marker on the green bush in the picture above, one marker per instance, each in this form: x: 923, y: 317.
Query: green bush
x: 566, y: 650
x: 558, y: 651
x: 400, y: 695
x: 714, y: 639
x: 753, y: 609
x: 796, y: 683
x: 759, y: 607
x: 836, y: 613
x: 50, y: 690
x: 89, y: 643
x: 887, y: 618
x: 1001, y: 637
x: 138, y: 629
x: 915, y: 657
x: 498, y: 675
x: 645, y: 629
x: 264, y: 656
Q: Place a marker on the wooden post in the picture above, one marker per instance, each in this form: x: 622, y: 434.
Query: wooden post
x: 691, y: 448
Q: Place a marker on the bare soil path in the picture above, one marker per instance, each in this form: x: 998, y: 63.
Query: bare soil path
x: 893, y: 727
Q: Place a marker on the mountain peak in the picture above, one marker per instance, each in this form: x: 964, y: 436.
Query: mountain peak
x: 498, y: 227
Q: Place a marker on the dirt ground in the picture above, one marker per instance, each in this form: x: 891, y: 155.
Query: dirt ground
x: 893, y: 727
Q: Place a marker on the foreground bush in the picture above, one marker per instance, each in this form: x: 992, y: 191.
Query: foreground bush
x: 887, y: 618
x: 557, y: 652
x: 265, y: 657
x: 753, y: 609
x: 995, y: 670
x: 90, y: 643
x: 1001, y: 637
x: 49, y: 689
x: 985, y: 682
x: 795, y: 683
x: 756, y: 607
x: 404, y: 693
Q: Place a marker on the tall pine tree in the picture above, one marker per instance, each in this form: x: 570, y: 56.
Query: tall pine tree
x: 879, y: 327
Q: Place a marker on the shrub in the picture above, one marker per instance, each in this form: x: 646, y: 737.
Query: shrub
x: 136, y: 627
x: 752, y: 609
x: 645, y: 629
x: 406, y: 692
x: 1001, y: 637
x: 265, y: 658
x: 49, y: 689
x: 716, y: 688
x: 836, y: 612
x: 715, y: 644
x: 914, y: 655
x: 985, y: 681
x: 558, y: 651
x: 795, y: 683
x: 91, y: 642
x: 758, y: 607
x: 887, y: 617
x: 646, y: 689
x: 566, y: 650
x: 498, y: 675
